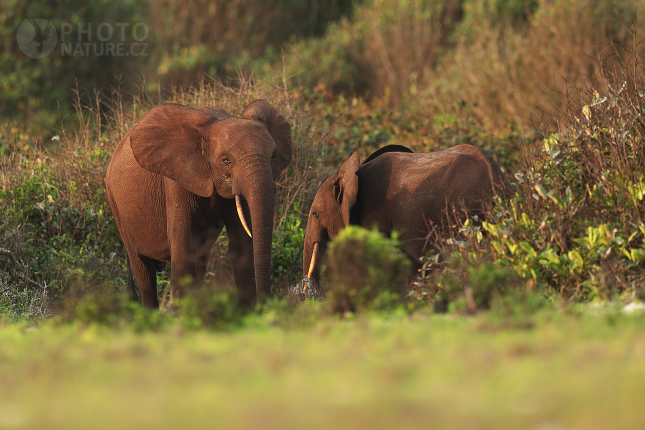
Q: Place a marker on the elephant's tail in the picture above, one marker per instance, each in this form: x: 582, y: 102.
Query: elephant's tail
x: 500, y: 183
x: 132, y: 288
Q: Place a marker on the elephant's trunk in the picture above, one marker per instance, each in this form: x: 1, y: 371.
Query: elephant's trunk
x: 259, y: 193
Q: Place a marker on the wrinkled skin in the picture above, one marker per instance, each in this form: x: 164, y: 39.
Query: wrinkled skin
x: 172, y: 183
x: 419, y: 195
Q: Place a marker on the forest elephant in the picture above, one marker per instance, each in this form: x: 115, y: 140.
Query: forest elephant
x: 420, y: 195
x: 180, y: 175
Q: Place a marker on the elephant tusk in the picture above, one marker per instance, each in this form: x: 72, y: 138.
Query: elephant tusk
x: 240, y: 213
x: 312, y: 265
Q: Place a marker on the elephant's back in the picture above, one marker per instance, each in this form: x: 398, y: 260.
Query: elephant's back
x: 426, y: 183
x: 438, y: 168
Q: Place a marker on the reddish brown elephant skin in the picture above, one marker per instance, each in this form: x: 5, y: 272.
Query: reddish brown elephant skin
x: 413, y: 193
x: 171, y: 184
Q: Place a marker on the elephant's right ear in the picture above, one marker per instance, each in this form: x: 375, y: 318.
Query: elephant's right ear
x: 346, y: 186
x: 168, y: 141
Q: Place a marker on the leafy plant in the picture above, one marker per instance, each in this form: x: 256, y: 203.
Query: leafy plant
x: 288, y: 243
x: 208, y: 306
x: 366, y: 271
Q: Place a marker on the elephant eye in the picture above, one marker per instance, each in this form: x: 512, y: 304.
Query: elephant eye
x: 315, y: 214
x: 226, y: 161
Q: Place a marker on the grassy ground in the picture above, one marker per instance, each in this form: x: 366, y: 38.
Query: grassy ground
x: 566, y: 370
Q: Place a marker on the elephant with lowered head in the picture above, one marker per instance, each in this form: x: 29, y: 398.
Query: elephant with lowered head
x: 180, y: 175
x: 420, y: 195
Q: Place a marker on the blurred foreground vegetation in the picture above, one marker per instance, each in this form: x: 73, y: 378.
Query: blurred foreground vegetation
x: 573, y: 369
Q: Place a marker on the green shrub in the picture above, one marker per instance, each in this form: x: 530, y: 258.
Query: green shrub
x: 322, y: 63
x: 464, y: 286
x: 576, y: 225
x: 470, y: 283
x: 287, y: 246
x: 208, y: 306
x: 386, y: 48
x: 101, y: 304
x: 55, y: 226
x: 185, y: 40
x: 366, y: 271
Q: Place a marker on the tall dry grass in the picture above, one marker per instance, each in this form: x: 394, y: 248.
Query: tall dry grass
x: 218, y: 38
x: 500, y: 61
x: 525, y: 73
x: 400, y: 43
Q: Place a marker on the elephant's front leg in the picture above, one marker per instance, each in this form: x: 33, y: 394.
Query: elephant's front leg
x: 183, y: 269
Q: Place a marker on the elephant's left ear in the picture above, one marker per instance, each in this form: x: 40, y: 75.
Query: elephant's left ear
x: 279, y: 129
x: 168, y: 141
x: 347, y: 186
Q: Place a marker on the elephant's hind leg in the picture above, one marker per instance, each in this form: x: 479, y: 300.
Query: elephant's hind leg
x: 145, y: 272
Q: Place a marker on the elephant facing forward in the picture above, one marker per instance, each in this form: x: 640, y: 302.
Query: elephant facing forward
x: 180, y: 175
x: 420, y: 195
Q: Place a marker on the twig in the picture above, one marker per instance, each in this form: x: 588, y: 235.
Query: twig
x: 9, y: 254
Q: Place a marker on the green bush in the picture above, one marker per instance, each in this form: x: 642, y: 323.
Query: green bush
x: 208, y: 306
x: 576, y: 225
x: 287, y: 246
x: 101, y: 304
x: 366, y: 271
x: 55, y: 226
x: 385, y: 48
x: 469, y: 283
x: 464, y: 286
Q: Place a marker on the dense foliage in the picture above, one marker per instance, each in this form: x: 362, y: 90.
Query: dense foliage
x: 167, y: 42
x: 503, y: 61
x: 574, y: 230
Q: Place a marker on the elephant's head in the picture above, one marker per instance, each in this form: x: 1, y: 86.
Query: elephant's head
x: 331, y: 209
x: 206, y: 150
x: 329, y: 214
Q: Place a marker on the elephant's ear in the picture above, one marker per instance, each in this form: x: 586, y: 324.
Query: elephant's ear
x: 279, y: 129
x: 168, y: 141
x: 346, y: 186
